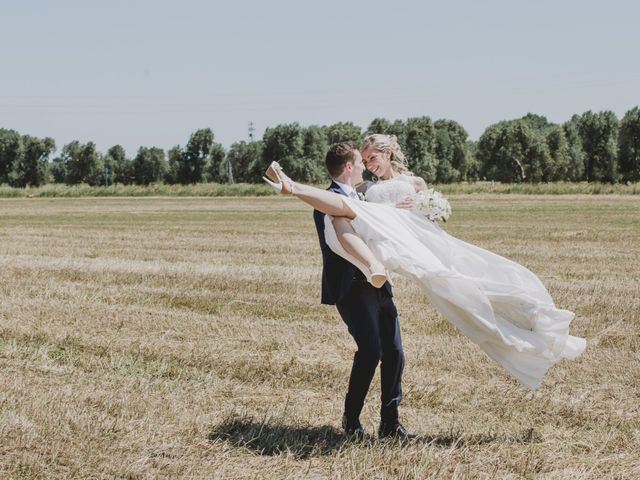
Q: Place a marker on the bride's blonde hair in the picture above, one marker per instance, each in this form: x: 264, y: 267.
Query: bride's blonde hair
x: 382, y: 143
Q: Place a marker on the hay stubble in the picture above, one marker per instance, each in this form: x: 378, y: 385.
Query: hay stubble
x: 145, y: 337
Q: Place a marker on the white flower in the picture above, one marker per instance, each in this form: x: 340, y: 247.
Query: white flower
x: 433, y: 205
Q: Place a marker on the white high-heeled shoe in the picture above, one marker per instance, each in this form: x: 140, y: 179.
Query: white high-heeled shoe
x: 271, y: 172
x: 276, y: 182
x: 277, y: 187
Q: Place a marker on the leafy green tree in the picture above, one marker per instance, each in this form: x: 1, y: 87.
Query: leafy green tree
x: 416, y: 138
x: 315, y: 143
x: 195, y: 156
x: 576, y: 165
x: 119, y: 168
x: 175, y: 160
x: 382, y: 125
x: 512, y: 151
x: 496, y: 163
x: 537, y: 160
x: 629, y: 146
x: 343, y: 132
x: 419, y: 147
x: 314, y: 150
x: 443, y: 152
x: 537, y: 123
x: 57, y: 170
x: 244, y: 158
x: 81, y: 163
x: 379, y: 125
x: 599, y: 134
x: 473, y: 167
x: 451, y: 151
x: 560, y: 160
x: 216, y: 166
x: 11, y: 150
x: 31, y: 168
x: 555, y: 164
x: 285, y: 144
x: 149, y: 165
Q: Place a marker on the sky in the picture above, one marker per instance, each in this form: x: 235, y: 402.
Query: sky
x: 150, y: 73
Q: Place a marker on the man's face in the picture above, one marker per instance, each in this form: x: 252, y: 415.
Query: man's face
x: 356, y: 169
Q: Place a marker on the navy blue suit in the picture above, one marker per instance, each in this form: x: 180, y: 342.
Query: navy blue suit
x: 372, y: 320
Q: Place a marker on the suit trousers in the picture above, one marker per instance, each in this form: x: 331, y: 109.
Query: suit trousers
x: 372, y: 320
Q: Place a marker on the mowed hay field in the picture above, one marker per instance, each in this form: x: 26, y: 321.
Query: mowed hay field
x: 184, y: 337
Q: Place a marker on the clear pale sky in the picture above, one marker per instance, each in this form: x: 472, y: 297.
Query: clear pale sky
x: 149, y: 73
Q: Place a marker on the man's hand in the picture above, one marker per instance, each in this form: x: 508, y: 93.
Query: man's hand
x: 409, y: 203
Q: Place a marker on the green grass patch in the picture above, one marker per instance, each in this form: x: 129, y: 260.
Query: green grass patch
x: 154, y: 190
x: 259, y: 190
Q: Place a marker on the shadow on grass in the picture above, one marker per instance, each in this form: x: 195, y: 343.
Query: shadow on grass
x: 459, y: 439
x: 304, y: 441
x: 267, y: 438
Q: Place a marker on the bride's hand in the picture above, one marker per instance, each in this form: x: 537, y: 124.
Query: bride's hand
x: 409, y: 203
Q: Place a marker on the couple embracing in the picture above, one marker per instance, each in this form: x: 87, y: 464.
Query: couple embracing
x: 369, y: 312
x: 498, y: 304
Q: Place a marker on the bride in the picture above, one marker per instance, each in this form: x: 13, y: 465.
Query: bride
x: 499, y: 304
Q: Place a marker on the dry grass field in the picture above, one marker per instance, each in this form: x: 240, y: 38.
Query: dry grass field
x: 183, y: 338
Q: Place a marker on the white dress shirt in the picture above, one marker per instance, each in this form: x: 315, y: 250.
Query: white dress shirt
x: 348, y: 189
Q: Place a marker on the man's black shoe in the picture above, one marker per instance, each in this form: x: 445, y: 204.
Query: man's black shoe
x: 352, y: 429
x: 394, y: 431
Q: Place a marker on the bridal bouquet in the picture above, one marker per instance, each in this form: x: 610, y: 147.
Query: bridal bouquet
x: 433, y: 205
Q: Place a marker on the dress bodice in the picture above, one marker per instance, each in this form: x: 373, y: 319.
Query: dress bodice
x: 391, y: 191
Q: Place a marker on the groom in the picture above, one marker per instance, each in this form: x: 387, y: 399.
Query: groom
x: 369, y: 312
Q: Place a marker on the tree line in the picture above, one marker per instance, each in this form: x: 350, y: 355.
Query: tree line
x: 588, y: 147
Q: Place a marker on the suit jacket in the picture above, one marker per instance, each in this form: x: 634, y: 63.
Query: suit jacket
x: 337, y: 273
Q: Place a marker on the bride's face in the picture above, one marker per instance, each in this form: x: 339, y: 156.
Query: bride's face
x: 377, y: 162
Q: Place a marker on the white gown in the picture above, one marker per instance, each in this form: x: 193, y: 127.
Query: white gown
x: 497, y: 303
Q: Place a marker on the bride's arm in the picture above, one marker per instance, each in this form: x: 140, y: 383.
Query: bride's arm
x: 409, y: 203
x: 419, y: 184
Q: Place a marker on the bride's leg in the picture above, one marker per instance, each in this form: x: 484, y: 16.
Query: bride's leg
x: 333, y: 204
x: 322, y: 200
x: 353, y: 244
x: 356, y: 247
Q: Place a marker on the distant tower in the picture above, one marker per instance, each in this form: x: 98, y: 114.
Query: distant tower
x: 251, y: 131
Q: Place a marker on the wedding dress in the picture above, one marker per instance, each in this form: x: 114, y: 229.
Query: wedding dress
x: 497, y: 303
